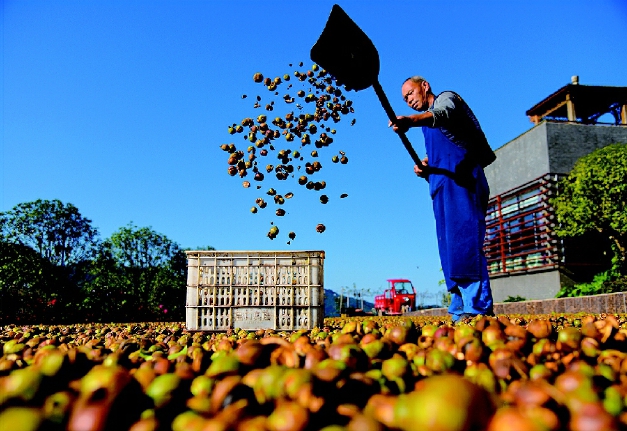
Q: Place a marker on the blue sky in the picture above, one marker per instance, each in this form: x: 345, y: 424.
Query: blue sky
x: 119, y: 107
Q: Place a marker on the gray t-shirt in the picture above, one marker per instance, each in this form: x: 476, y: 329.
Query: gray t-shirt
x: 453, y: 116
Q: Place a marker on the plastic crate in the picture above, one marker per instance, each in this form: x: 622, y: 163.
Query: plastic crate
x: 281, y: 290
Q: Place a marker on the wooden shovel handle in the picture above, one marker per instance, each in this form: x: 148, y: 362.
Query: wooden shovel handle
x: 392, y: 116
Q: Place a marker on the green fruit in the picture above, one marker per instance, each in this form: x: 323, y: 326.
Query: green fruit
x: 395, y: 367
x: 22, y: 383
x: 161, y: 388
x: 202, y: 386
x: 444, y: 403
x: 12, y: 346
x: 57, y: 407
x: 20, y: 419
x: 224, y: 365
x: 188, y: 421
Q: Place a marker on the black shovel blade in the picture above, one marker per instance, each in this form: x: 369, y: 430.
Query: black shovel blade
x: 345, y: 51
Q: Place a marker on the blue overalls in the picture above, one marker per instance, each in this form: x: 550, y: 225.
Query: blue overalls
x: 460, y: 195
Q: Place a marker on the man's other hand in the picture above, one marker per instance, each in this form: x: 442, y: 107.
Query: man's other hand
x: 422, y: 173
x: 401, y: 125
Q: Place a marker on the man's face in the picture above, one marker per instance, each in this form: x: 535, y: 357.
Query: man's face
x: 415, y: 95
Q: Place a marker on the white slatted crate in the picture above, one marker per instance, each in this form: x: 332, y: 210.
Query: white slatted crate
x: 281, y: 290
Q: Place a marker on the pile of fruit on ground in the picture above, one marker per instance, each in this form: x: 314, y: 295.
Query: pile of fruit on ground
x: 553, y: 372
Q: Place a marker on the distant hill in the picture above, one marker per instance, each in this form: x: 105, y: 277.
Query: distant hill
x: 330, y: 303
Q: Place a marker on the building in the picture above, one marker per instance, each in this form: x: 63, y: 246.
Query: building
x: 525, y: 257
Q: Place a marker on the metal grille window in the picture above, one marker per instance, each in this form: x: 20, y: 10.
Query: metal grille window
x: 519, y: 235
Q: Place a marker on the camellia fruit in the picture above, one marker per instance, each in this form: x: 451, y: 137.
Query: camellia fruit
x: 273, y: 232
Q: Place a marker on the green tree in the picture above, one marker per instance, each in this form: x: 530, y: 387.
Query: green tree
x: 138, y: 274
x: 593, y: 197
x: 25, y: 280
x: 46, y: 247
x: 57, y: 231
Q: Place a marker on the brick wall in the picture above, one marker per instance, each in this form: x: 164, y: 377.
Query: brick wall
x: 611, y: 303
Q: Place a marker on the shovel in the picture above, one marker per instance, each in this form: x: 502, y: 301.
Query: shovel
x: 345, y: 51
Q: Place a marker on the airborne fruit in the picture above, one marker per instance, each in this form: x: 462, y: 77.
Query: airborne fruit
x: 326, y: 103
x: 291, y: 235
x: 273, y: 232
x: 320, y: 228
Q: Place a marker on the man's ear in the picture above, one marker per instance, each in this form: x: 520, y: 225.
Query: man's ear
x: 426, y: 86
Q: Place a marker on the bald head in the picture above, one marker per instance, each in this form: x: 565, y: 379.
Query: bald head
x: 416, y: 91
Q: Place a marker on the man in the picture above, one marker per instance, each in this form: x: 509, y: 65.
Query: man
x: 457, y: 152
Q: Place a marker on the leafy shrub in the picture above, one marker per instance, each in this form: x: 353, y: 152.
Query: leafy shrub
x: 516, y: 298
x: 605, y: 282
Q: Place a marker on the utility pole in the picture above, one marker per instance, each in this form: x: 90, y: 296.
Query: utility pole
x: 341, y: 300
x: 364, y: 292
